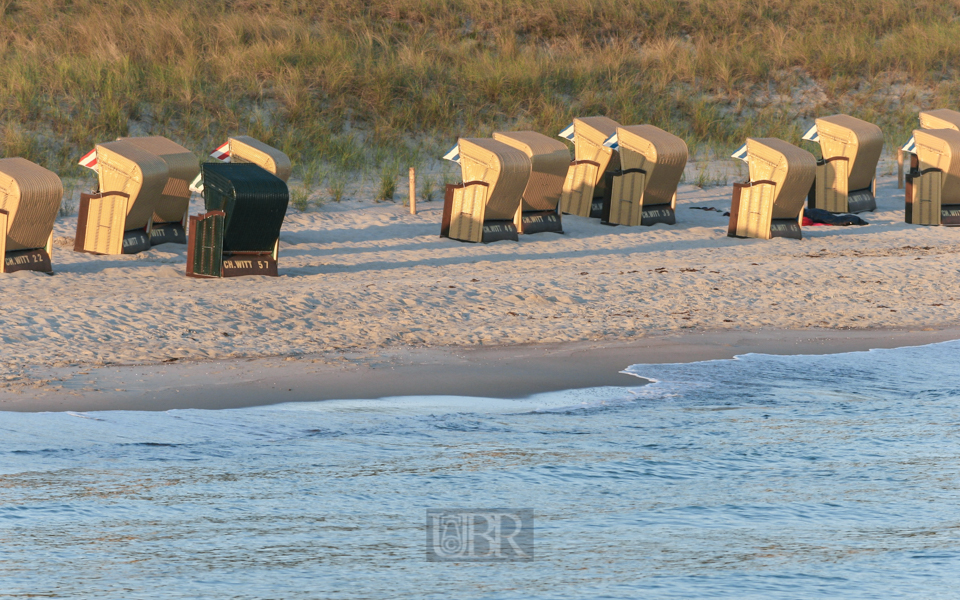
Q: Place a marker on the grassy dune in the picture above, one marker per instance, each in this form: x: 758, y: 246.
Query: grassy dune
x: 349, y: 83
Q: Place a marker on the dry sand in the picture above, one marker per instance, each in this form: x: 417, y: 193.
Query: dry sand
x: 369, y: 279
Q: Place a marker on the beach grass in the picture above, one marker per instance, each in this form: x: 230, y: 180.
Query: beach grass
x: 350, y: 85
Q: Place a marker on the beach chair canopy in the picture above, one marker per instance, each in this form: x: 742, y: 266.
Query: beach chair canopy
x: 941, y: 118
x: 31, y: 195
x: 589, y: 134
x: 858, y: 141
x: 503, y: 168
x: 245, y: 149
x: 549, y: 160
x: 660, y: 154
x: 127, y: 168
x: 940, y: 149
x: 254, y: 201
x: 792, y: 169
x: 182, y: 168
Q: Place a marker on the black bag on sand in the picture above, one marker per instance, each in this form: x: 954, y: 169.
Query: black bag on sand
x: 818, y: 215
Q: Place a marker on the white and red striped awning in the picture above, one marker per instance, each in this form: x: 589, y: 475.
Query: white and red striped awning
x: 222, y: 152
x: 89, y: 160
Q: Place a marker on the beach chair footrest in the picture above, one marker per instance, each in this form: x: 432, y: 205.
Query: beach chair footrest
x: 27, y: 260
x: 168, y: 233
x: 495, y: 231
x: 541, y: 222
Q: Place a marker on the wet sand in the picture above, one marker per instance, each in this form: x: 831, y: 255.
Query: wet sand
x: 480, y: 371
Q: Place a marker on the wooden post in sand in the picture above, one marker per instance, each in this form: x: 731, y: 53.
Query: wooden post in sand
x: 413, y: 191
x: 899, y: 168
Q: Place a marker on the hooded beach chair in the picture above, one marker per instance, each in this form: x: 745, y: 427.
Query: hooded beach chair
x: 240, y: 232
x: 847, y: 173
x: 170, y: 215
x: 245, y: 149
x: 644, y: 190
x: 29, y: 200
x: 483, y: 207
x: 918, y: 205
x: 584, y: 186
x: 933, y: 185
x: 941, y: 118
x: 771, y: 204
x: 549, y: 161
x: 119, y: 218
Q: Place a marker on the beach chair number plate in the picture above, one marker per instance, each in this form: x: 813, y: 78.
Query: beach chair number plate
x: 786, y: 228
x: 540, y: 222
x: 27, y: 260
x: 658, y: 214
x: 236, y: 265
x: 950, y: 215
x: 861, y: 201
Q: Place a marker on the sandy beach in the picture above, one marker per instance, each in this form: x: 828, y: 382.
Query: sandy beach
x: 365, y: 283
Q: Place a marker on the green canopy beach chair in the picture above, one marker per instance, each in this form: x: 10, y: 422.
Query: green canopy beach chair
x: 239, y: 234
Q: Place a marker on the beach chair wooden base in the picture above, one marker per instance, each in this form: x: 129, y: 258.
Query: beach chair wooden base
x: 950, y: 215
x: 785, y: 228
x: 37, y: 259
x: 751, y: 213
x: 496, y: 231
x: 861, y: 201
x: 577, y: 197
x: 26, y: 260
x: 923, y: 189
x: 206, y: 258
x: 538, y: 221
x: 168, y: 233
x: 100, y: 223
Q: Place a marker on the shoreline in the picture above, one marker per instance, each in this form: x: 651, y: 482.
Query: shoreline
x: 511, y: 371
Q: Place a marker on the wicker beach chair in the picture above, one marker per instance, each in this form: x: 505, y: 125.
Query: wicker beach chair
x: 549, y: 160
x: 170, y: 215
x: 583, y: 188
x: 941, y: 118
x: 240, y: 232
x: 118, y: 219
x: 483, y: 207
x: 847, y: 173
x: 29, y: 199
x: 933, y: 185
x: 644, y: 190
x: 771, y: 204
x: 245, y: 149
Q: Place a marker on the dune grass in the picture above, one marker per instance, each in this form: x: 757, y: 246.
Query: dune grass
x: 343, y: 85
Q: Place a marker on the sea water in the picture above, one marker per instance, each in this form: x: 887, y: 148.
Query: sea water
x: 761, y: 477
